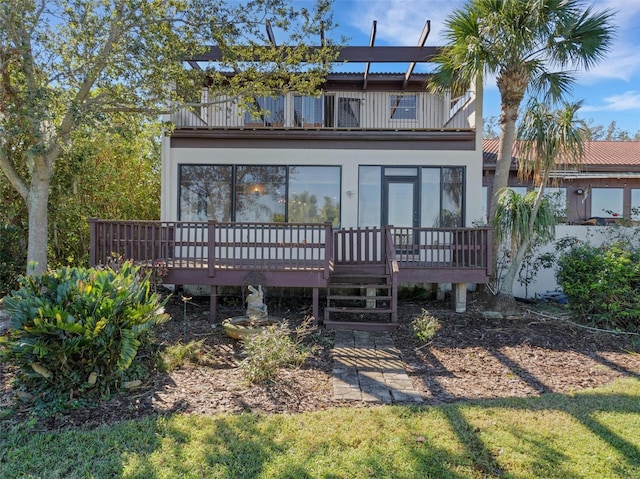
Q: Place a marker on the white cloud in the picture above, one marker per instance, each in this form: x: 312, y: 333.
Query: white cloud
x: 626, y: 101
x: 400, y: 22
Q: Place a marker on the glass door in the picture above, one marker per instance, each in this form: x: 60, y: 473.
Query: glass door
x: 401, y: 210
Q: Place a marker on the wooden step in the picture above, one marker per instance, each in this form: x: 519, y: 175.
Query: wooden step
x: 348, y: 309
x: 360, y: 326
x: 358, y: 298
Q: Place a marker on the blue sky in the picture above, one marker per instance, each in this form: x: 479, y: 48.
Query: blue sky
x: 610, y: 91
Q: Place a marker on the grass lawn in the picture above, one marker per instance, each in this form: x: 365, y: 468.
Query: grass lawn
x: 591, y: 434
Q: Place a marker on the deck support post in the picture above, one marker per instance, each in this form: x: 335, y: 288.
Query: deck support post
x: 314, y: 305
x: 460, y: 297
x: 213, y: 304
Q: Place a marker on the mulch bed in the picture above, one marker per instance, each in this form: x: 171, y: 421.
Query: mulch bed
x: 470, y: 358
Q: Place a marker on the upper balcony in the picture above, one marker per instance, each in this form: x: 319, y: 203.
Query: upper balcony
x: 340, y: 109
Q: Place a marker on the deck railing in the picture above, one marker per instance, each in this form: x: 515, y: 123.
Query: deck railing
x: 336, y: 110
x: 287, y: 246
x: 214, y: 245
x: 443, y: 247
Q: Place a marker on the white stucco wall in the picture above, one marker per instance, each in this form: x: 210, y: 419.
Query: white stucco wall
x: 595, y: 235
x: 350, y: 160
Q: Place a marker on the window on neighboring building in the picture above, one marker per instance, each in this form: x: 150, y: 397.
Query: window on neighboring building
x: 306, y: 194
x: 607, y: 202
x: 635, y: 204
x: 266, y: 111
x: 402, y: 107
x: 557, y: 198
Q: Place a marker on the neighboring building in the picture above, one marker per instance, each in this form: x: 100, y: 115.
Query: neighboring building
x: 603, y: 190
x: 372, y: 150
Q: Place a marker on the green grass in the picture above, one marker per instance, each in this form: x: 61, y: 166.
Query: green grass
x: 591, y: 434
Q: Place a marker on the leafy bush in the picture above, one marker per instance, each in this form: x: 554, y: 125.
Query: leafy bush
x: 425, y: 326
x: 602, y: 285
x: 275, y: 347
x: 75, y: 332
x: 13, y: 256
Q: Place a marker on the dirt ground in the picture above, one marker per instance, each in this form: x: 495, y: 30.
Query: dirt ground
x: 470, y: 358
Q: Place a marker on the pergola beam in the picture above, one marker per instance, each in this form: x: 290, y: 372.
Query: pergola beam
x: 372, y: 40
x: 423, y: 38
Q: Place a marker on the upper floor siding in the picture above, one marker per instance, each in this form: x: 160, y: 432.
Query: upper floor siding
x: 332, y: 109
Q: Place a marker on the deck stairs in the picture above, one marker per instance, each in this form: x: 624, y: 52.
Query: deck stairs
x: 361, y: 301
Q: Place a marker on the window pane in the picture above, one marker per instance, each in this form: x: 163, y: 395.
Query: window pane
x: 403, y: 107
x: 521, y: 190
x: 557, y: 198
x: 635, y: 204
x: 606, y: 202
x: 314, y: 194
x: 348, y: 112
x: 260, y: 193
x: 205, y: 192
x: 369, y: 197
x: 400, y: 171
x: 307, y: 111
x: 452, y: 186
x: 268, y: 111
x: 430, y: 207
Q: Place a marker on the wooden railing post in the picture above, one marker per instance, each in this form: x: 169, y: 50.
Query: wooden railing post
x: 328, y: 250
x: 93, y: 242
x: 211, y: 239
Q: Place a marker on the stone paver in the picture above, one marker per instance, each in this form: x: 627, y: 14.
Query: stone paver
x: 368, y: 367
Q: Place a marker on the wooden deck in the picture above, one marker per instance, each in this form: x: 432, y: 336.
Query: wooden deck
x: 292, y: 254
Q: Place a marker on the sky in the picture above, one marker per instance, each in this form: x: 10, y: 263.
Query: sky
x: 610, y: 91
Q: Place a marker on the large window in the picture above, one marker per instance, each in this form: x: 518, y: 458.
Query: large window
x: 205, y: 192
x: 442, y: 193
x: 306, y: 194
x: 402, y: 107
x: 607, y: 202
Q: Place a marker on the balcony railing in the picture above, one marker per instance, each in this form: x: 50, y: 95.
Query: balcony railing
x: 359, y: 110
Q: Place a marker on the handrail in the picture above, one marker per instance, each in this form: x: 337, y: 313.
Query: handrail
x: 392, y: 270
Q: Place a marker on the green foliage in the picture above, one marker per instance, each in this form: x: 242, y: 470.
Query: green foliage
x: 273, y: 348
x: 13, y: 257
x: 602, y: 284
x: 425, y: 326
x: 75, y: 332
x: 178, y: 355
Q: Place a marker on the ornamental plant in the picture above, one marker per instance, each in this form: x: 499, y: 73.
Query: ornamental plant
x: 75, y: 332
x: 602, y: 284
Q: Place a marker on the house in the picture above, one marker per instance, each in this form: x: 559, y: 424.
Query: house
x: 602, y: 191
x: 370, y: 184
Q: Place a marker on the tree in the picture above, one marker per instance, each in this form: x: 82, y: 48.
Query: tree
x: 68, y: 63
x: 520, y: 42
x: 610, y: 133
x: 548, y: 140
x: 531, y: 47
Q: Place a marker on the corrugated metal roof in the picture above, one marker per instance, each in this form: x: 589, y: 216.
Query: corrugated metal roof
x: 621, y: 155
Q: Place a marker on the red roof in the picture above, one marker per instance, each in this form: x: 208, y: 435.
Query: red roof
x: 607, y: 155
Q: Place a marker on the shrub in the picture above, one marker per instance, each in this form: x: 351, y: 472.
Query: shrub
x: 75, y: 332
x: 275, y: 347
x: 13, y: 256
x: 425, y: 326
x: 602, y: 285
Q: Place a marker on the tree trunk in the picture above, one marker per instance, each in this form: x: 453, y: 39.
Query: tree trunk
x: 38, y: 208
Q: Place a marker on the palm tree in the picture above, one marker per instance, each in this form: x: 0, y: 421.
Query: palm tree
x: 530, y: 46
x: 548, y: 140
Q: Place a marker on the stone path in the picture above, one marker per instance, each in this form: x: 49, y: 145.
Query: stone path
x: 367, y: 367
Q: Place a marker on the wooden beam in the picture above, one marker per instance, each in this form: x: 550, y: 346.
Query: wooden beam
x: 423, y: 38
x: 382, y: 54
x: 372, y: 39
